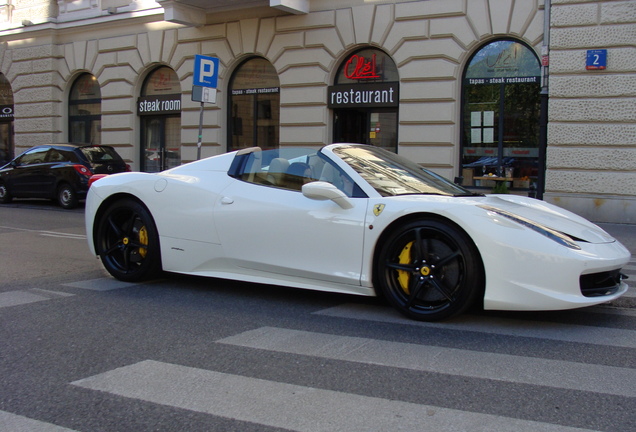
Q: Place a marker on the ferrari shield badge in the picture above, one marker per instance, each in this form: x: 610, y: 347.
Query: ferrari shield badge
x: 377, y: 209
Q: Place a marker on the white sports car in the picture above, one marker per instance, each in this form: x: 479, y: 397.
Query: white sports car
x: 352, y: 219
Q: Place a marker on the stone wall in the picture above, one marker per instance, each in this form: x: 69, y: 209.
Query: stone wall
x: 429, y: 40
x: 591, y: 154
x: 30, y: 11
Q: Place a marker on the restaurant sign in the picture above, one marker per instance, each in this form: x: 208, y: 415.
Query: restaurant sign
x: 253, y: 91
x: 159, y: 104
x: 372, y: 95
x: 504, y: 80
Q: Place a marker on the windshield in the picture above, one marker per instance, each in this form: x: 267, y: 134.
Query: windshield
x: 392, y: 175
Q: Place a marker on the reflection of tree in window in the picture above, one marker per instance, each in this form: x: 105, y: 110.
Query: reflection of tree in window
x: 501, y: 103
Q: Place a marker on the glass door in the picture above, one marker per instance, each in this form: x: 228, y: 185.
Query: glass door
x: 172, y: 142
x: 161, y: 143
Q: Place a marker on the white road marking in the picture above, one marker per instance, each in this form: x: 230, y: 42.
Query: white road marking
x: 16, y: 298
x: 49, y: 233
x: 451, y: 361
x: 504, y: 326
x: 17, y: 423
x: 101, y: 284
x: 291, y: 407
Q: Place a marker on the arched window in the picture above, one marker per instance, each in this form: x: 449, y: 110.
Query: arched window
x: 254, y: 106
x: 6, y: 121
x: 85, y: 110
x: 501, y: 105
x: 159, y: 108
x: 365, y: 99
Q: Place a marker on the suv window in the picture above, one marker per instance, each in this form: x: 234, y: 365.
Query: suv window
x: 34, y: 156
x: 56, y: 156
x: 100, y: 154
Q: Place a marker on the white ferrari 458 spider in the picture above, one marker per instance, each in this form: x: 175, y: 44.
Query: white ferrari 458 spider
x: 354, y: 219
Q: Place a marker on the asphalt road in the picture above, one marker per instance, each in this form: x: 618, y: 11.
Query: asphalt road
x: 81, y: 351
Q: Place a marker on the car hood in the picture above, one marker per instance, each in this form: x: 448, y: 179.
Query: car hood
x: 550, y: 216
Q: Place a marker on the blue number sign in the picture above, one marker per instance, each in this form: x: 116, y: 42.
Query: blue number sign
x: 596, y: 59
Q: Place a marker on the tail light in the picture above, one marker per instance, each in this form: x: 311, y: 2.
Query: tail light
x: 94, y: 178
x: 81, y: 169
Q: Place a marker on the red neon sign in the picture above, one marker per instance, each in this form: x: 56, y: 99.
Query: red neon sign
x: 362, y: 68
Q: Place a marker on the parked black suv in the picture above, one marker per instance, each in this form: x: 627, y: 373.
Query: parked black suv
x: 57, y: 171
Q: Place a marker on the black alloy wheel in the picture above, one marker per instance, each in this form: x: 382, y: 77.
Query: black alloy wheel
x: 429, y: 270
x: 127, y: 242
x: 66, y: 196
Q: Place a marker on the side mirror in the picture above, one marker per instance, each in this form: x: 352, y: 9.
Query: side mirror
x: 323, y: 191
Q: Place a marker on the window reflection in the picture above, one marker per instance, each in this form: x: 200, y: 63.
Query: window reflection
x: 85, y: 110
x: 501, y: 106
x: 391, y: 175
x: 254, y: 104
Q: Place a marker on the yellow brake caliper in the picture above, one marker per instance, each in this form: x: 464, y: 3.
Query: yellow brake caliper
x: 143, y: 239
x: 404, y: 258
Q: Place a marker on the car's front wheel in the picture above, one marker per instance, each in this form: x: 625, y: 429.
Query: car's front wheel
x: 127, y: 241
x: 429, y: 270
x: 5, y: 196
x: 66, y: 196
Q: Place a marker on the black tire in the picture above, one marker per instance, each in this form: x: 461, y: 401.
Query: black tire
x: 66, y: 196
x: 5, y: 196
x: 429, y: 270
x: 127, y: 242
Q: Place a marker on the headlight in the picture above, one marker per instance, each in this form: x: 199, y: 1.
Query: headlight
x: 557, y: 236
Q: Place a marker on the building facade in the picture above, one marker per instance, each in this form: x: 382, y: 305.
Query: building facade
x: 459, y: 86
x: 591, y: 152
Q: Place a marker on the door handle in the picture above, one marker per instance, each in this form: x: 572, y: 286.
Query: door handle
x: 226, y: 200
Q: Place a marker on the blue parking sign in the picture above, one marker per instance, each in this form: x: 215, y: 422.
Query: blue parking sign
x: 206, y: 71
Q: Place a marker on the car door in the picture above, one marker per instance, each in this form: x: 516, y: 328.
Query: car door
x: 282, y: 232
x: 29, y: 177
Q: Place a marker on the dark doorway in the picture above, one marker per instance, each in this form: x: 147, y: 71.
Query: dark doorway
x: 366, y: 126
x: 349, y: 126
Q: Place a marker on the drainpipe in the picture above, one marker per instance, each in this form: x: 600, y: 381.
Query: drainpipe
x: 543, y: 116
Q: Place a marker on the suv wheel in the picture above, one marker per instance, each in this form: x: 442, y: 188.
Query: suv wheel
x: 66, y: 196
x: 5, y: 196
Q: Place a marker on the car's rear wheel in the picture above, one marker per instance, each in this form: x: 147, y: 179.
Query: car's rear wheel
x: 5, y: 196
x: 127, y: 241
x: 429, y: 270
x: 66, y: 196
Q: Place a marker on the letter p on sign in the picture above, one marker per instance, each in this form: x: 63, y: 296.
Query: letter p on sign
x: 206, y: 71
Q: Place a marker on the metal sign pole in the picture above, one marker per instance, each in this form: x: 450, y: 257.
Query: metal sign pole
x: 204, y: 81
x: 200, y: 132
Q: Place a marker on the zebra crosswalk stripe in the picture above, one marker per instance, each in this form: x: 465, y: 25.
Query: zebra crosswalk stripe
x: 502, y: 326
x: 289, y: 406
x: 16, y: 423
x: 475, y: 364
